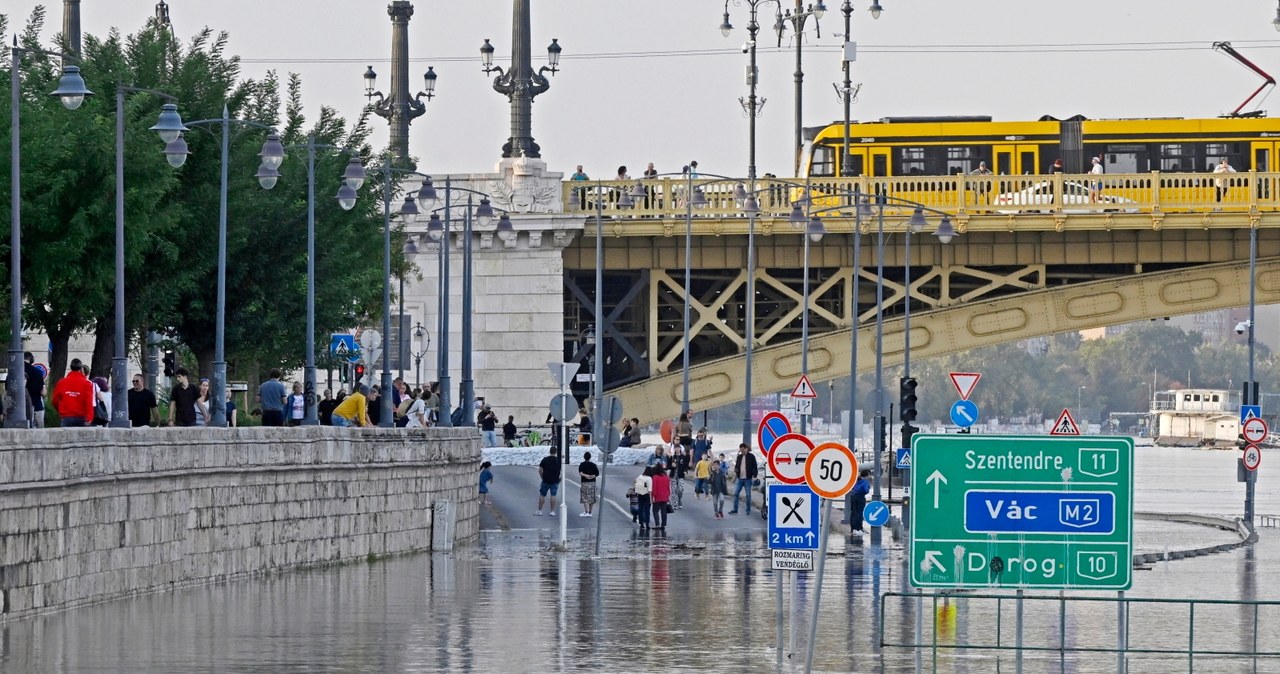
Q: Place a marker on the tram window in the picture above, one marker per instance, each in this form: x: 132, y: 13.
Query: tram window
x: 824, y: 162
x: 1216, y: 152
x: 1176, y: 157
x: 911, y: 161
x: 879, y: 165
x: 854, y: 165
x: 1028, y: 162
x: 963, y: 159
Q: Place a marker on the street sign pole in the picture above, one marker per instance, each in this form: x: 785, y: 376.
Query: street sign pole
x: 817, y: 588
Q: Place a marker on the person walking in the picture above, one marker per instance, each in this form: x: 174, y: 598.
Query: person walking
x: 588, y: 473
x: 272, y: 396
x: 643, y: 488
x: 143, y: 409
x: 858, y: 503
x: 202, y: 403
x: 718, y: 488
x: 416, y: 415
x: 295, y: 405
x: 486, y: 476
x: 182, y: 400
x: 661, y: 498
x: 73, y: 397
x: 702, y: 477
x: 35, y: 389
x: 676, y: 471
x: 745, y: 470
x: 701, y: 446
x: 1095, y: 184
x: 549, y: 472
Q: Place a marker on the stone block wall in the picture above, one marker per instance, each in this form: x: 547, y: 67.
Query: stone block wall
x: 93, y: 514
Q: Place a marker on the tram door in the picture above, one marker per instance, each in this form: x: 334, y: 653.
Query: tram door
x: 1265, y: 160
x: 880, y: 165
x: 1012, y: 160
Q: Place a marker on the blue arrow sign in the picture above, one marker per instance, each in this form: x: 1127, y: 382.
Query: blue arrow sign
x: 1039, y: 512
x: 1247, y: 411
x: 964, y: 413
x: 904, y: 457
x: 876, y: 513
x: 793, y: 517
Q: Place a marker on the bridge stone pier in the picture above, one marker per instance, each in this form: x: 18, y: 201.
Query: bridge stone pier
x: 94, y: 514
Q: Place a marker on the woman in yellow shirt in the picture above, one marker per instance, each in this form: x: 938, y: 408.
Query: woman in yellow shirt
x: 354, y: 409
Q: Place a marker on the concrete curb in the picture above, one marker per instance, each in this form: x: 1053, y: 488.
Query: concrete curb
x: 1248, y: 536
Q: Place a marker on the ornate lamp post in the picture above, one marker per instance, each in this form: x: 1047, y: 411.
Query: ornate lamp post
x: 520, y: 84
x: 72, y: 92
x: 397, y: 107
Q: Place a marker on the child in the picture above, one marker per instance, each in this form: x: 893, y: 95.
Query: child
x: 634, y: 498
x: 719, y: 490
x: 701, y: 476
x: 486, y: 476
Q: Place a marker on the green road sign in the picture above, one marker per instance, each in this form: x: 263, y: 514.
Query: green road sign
x: 1040, y: 512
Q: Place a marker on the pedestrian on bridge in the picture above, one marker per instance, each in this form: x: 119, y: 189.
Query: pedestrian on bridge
x: 73, y: 397
x: 1095, y: 186
x: 272, y: 396
x: 661, y: 493
x: 1221, y: 182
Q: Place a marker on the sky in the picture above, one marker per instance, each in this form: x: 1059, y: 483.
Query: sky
x: 656, y: 81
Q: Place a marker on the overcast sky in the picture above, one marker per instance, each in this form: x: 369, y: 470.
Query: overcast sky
x: 655, y: 81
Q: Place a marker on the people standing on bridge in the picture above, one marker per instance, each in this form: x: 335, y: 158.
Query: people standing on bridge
x: 622, y: 174
x: 1057, y: 166
x: 676, y: 471
x: 271, y: 395
x: 1221, y: 182
x: 416, y: 415
x: 693, y: 169
x: 718, y: 488
x: 73, y: 397
x: 486, y: 476
x: 295, y: 405
x: 684, y: 432
x: 549, y: 472
x: 1095, y: 185
x: 354, y: 409
x: 488, y: 423
x: 325, y: 409
x: 579, y: 174
x: 203, y: 404
x: 588, y: 472
x: 143, y: 410
x: 373, y: 408
x: 182, y: 400
x: 643, y: 488
x: 35, y: 389
x: 658, y: 459
x: 630, y: 433
x: 229, y: 405
x: 858, y: 500
x: 745, y: 469
x: 102, y: 398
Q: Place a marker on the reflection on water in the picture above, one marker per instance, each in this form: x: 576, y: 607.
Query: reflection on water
x: 656, y: 604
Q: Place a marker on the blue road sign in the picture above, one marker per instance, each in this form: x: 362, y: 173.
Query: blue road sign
x: 1039, y: 512
x: 876, y: 513
x: 793, y: 517
x: 904, y: 457
x: 964, y: 413
x: 773, y: 426
x: 1247, y: 411
x: 343, y: 345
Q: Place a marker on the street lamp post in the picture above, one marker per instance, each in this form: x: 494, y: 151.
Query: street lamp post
x: 219, y: 383
x: 1251, y: 387
x: 399, y: 107
x: 519, y: 83
x: 410, y: 248
x: 72, y: 92
x: 170, y: 128
x: 421, y: 342
x: 797, y: 19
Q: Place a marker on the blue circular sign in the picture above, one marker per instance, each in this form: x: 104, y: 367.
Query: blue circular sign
x: 964, y: 413
x: 876, y: 513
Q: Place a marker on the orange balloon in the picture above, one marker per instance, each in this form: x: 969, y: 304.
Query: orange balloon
x: 667, y: 430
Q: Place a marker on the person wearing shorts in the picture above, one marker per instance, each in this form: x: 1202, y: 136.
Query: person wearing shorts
x: 549, y: 471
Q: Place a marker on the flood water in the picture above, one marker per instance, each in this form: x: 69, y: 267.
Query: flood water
x: 510, y: 603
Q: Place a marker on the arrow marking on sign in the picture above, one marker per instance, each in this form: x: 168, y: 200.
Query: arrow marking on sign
x: 810, y: 537
x: 938, y: 479
x: 931, y: 559
x: 961, y: 411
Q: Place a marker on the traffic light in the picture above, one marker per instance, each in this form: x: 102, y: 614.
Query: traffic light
x: 170, y: 363
x: 907, y: 431
x: 359, y: 377
x: 907, y: 399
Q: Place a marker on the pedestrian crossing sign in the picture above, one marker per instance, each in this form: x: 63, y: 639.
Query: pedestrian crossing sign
x: 904, y: 457
x: 1065, y: 425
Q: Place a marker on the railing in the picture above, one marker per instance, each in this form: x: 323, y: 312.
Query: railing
x: 1058, y: 193
x: 1077, y: 625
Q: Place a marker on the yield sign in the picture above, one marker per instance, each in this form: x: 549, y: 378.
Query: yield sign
x: 803, y: 388
x: 1254, y: 430
x: 1065, y: 425
x: 964, y: 382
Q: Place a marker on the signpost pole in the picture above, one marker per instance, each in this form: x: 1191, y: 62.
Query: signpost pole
x: 1122, y: 644
x: 1017, y: 644
x: 778, y: 610
x: 817, y: 587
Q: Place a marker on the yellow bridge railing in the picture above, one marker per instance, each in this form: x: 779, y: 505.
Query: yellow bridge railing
x: 972, y: 195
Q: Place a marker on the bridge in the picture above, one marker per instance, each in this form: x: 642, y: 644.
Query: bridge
x: 1034, y: 255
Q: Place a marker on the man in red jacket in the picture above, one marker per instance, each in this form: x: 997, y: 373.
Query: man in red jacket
x: 73, y: 397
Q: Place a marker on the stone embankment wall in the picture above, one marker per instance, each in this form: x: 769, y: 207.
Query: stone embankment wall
x: 94, y: 514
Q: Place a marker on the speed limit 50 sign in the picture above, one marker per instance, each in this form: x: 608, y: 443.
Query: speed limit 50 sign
x: 831, y: 470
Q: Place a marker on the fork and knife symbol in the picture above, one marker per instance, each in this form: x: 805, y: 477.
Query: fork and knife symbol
x: 792, y: 510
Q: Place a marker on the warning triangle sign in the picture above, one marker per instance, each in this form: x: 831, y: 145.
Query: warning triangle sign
x: 1065, y: 425
x: 803, y: 388
x: 964, y: 382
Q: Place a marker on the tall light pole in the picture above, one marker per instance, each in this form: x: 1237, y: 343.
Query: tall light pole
x: 813, y: 231
x: 1251, y: 386
x: 410, y: 248
x: 273, y: 154
x: 399, y: 107
x: 72, y: 92
x: 797, y: 20
x: 219, y: 383
x: 170, y: 129
x: 519, y: 83
x: 421, y: 342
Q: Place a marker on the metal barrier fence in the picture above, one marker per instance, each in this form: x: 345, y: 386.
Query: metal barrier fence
x: 1087, y: 625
